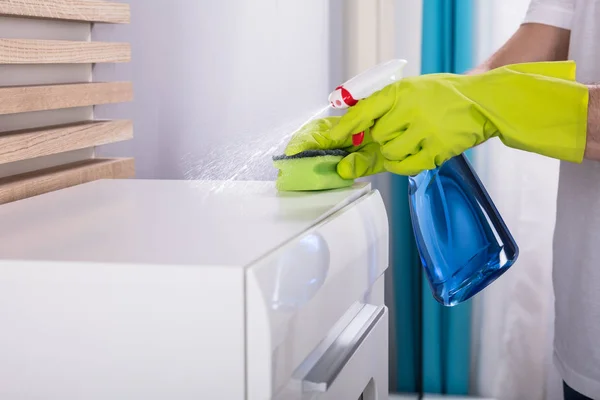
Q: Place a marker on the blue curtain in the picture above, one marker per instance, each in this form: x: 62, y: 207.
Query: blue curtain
x: 432, y: 341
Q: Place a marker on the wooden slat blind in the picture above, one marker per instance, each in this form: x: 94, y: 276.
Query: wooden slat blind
x: 23, y: 145
x: 18, y: 99
x: 71, y: 10
x: 63, y: 176
x: 32, y: 143
x: 27, y: 51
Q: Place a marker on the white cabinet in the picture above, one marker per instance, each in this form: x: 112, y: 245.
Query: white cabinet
x: 146, y: 289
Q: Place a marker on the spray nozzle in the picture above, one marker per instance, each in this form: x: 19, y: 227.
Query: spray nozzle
x: 365, y: 84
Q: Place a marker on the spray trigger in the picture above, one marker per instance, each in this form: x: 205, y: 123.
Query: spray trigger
x: 358, y: 138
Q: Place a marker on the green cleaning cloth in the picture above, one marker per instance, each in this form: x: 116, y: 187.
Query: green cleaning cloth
x: 310, y: 170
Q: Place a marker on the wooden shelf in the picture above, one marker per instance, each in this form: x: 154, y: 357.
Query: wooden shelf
x: 31, y: 184
x: 32, y: 143
x: 26, y: 51
x: 36, y: 148
x: 18, y: 99
x: 71, y: 10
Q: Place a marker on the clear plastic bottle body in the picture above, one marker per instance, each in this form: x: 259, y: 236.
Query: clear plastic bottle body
x: 463, y: 243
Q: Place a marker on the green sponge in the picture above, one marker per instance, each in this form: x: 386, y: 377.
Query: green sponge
x: 310, y: 170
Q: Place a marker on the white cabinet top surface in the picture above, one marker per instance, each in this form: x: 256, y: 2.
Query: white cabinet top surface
x: 210, y: 223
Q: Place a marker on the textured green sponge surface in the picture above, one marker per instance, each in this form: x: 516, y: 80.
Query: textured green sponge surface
x: 310, y: 170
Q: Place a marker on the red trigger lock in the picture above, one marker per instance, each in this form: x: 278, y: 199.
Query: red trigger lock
x: 358, y: 138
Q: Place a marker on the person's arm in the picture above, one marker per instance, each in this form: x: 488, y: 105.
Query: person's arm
x: 537, y: 42
x: 592, y: 148
x: 530, y: 43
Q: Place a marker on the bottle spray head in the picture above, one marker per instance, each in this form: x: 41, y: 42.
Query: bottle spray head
x: 365, y: 84
x: 341, y: 98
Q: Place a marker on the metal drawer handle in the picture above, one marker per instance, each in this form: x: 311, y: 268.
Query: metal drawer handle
x: 325, y: 371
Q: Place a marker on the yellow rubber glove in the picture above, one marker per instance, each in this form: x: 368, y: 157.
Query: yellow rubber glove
x: 365, y: 159
x: 423, y: 121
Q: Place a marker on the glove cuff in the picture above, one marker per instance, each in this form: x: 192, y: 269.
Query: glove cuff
x: 537, y: 107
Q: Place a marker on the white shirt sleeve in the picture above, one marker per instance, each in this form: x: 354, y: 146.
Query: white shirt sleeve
x: 558, y: 13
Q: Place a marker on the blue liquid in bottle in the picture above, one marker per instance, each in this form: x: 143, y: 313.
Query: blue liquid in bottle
x: 462, y: 240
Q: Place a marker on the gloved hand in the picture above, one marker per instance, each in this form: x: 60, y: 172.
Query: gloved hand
x: 365, y: 159
x: 423, y: 121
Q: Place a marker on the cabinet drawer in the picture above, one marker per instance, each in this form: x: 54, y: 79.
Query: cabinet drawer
x: 307, y: 291
x: 356, y: 363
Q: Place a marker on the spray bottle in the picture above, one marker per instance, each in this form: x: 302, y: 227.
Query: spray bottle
x: 463, y: 243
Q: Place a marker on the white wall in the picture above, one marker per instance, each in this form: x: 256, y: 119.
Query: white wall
x: 217, y: 83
